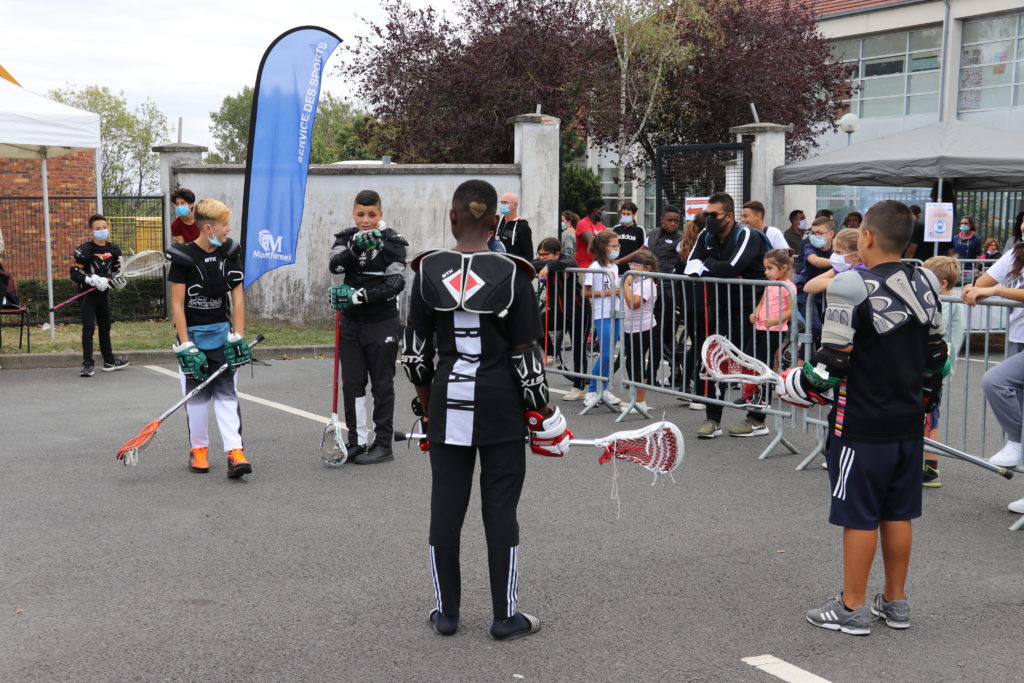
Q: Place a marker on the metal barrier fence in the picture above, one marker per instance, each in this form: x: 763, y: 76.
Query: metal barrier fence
x: 965, y: 420
x: 136, y: 224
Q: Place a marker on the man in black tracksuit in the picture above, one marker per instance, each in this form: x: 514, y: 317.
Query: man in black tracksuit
x: 726, y: 249
x: 97, y: 264
x: 513, y: 230
x: 372, y: 258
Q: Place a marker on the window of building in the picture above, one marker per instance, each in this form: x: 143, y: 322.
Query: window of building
x: 992, y: 63
x: 895, y: 74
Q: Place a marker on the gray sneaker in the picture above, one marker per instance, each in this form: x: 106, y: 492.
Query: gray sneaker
x: 833, y: 615
x: 709, y: 430
x: 749, y: 428
x: 896, y: 612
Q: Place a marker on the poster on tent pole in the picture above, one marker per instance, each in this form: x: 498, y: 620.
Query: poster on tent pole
x: 938, y: 222
x: 284, y: 106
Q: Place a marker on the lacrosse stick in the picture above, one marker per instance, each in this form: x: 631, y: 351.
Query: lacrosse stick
x: 333, y: 451
x: 129, y: 452
x: 943, y: 449
x: 137, y: 265
x: 658, y: 447
x: 723, y: 362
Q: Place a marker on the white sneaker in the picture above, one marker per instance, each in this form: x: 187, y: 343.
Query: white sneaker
x: 696, y: 406
x: 590, y: 398
x: 1016, y: 506
x: 574, y: 394
x: 640, y: 405
x: 1009, y: 455
x: 610, y: 398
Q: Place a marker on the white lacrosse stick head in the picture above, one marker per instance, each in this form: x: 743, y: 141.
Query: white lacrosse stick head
x: 659, y: 447
x: 723, y: 362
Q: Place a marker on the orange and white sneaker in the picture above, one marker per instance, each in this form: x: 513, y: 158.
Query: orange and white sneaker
x: 197, y: 461
x: 237, y: 464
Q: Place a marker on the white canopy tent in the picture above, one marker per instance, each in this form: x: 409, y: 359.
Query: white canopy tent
x: 34, y: 127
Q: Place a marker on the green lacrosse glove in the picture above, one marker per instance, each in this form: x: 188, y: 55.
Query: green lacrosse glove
x: 237, y: 351
x: 344, y: 297
x: 368, y: 240
x: 191, y: 360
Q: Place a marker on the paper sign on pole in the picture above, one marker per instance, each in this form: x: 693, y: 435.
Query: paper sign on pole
x: 695, y: 205
x: 938, y: 222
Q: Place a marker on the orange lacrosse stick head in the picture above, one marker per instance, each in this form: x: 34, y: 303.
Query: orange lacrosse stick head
x: 129, y: 452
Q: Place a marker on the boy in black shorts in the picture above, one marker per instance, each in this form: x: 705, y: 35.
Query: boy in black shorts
x: 883, y: 359
x: 488, y: 389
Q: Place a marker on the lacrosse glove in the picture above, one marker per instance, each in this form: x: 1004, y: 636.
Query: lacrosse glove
x: 237, y: 351
x: 118, y: 282
x: 367, y: 240
x: 191, y: 360
x: 793, y: 388
x: 548, y: 435
x: 344, y: 297
x: 100, y: 283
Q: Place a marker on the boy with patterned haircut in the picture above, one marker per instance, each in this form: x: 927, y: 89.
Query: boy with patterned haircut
x: 98, y: 264
x: 883, y: 359
x: 372, y: 258
x: 208, y: 305
x: 487, y: 391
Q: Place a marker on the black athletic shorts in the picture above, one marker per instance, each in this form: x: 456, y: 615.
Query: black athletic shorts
x: 874, y: 482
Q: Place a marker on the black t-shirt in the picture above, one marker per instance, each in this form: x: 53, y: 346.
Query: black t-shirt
x: 208, y: 283
x: 631, y: 238
x: 475, y: 398
x: 881, y: 396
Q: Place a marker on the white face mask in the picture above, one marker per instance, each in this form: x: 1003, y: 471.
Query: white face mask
x: 839, y: 262
x: 803, y: 225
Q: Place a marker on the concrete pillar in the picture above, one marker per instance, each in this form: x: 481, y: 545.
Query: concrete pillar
x: 536, y: 138
x: 767, y: 151
x: 171, y: 155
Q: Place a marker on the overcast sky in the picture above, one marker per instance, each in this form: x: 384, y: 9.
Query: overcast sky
x: 185, y: 55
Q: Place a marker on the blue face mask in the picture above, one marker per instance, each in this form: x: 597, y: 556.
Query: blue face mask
x: 182, y: 210
x: 613, y: 254
x: 817, y: 241
x: 626, y: 220
x: 101, y: 235
x: 504, y: 209
x: 214, y: 241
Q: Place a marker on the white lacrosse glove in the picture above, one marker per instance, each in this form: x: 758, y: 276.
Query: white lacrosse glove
x: 100, y: 283
x: 358, y: 297
x: 548, y: 435
x: 118, y: 282
x: 791, y: 389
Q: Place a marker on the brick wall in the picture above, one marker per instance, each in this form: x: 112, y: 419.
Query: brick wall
x: 70, y: 175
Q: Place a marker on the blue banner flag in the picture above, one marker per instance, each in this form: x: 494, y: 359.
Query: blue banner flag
x: 284, y: 106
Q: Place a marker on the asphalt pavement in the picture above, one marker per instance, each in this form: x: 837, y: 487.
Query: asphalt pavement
x: 300, y: 572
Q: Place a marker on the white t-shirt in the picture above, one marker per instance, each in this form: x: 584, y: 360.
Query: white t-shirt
x: 641, y: 319
x: 603, y: 278
x: 1000, y: 272
x: 776, y: 238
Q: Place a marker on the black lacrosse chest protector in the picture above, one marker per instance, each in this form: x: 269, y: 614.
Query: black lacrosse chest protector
x: 480, y: 306
x: 208, y: 281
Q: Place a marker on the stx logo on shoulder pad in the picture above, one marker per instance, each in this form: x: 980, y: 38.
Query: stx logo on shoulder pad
x: 456, y: 286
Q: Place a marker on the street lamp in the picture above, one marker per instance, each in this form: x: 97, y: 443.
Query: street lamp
x: 849, y: 123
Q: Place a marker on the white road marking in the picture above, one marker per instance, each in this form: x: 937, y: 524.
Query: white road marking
x: 774, y: 666
x: 256, y: 399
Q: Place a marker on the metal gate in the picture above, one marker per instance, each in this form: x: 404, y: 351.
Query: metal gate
x: 683, y: 171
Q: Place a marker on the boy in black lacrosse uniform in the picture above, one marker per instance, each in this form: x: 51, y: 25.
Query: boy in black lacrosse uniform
x: 488, y: 389
x: 98, y: 264
x: 372, y: 257
x: 883, y: 358
x: 208, y: 305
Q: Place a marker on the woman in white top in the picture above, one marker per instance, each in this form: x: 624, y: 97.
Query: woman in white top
x: 601, y: 288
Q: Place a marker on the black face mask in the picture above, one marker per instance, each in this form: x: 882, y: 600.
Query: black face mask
x: 714, y: 225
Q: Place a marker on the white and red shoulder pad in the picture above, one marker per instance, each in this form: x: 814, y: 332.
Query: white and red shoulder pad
x: 481, y: 282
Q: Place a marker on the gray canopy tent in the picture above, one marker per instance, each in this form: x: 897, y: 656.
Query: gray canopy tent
x: 976, y: 157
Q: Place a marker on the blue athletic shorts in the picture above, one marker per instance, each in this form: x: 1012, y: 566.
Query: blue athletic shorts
x: 874, y: 482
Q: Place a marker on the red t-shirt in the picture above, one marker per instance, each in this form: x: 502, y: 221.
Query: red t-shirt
x: 180, y: 228
x: 583, y: 256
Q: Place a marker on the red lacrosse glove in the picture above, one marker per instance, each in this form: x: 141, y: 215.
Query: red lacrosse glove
x: 791, y: 389
x: 548, y: 435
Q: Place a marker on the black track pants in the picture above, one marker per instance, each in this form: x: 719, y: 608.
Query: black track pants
x: 502, y: 470
x: 96, y: 313
x: 368, y: 352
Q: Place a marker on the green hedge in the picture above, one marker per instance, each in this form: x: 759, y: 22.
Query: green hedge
x: 142, y: 299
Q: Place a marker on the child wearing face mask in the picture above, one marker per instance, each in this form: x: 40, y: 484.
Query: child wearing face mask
x: 184, y: 228
x: 844, y: 257
x: 568, y: 236
x: 631, y: 235
x: 600, y: 287
x: 641, y: 351
x: 98, y: 267
x: 771, y: 321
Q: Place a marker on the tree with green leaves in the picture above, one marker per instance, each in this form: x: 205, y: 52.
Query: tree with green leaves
x: 127, y: 163
x: 339, y: 130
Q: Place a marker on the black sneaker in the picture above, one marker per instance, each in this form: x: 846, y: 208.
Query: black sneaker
x: 354, y: 449
x: 931, y: 476
x: 87, y: 371
x: 378, y: 453
x: 118, y: 364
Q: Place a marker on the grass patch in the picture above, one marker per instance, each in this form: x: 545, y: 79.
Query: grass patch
x: 156, y: 334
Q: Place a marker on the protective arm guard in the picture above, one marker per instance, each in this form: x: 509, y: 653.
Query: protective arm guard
x: 389, y: 288
x: 846, y: 291
x: 418, y: 357
x: 77, y: 275
x: 342, y: 258
x: 936, y: 367
x: 528, y: 364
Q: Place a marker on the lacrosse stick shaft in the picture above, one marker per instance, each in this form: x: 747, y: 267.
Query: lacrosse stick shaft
x: 408, y: 436
x: 74, y: 298
x: 943, y: 449
x: 337, y: 359
x: 216, y: 373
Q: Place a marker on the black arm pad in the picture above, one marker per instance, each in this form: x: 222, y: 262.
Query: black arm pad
x: 418, y: 358
x: 528, y: 365
x: 936, y: 360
